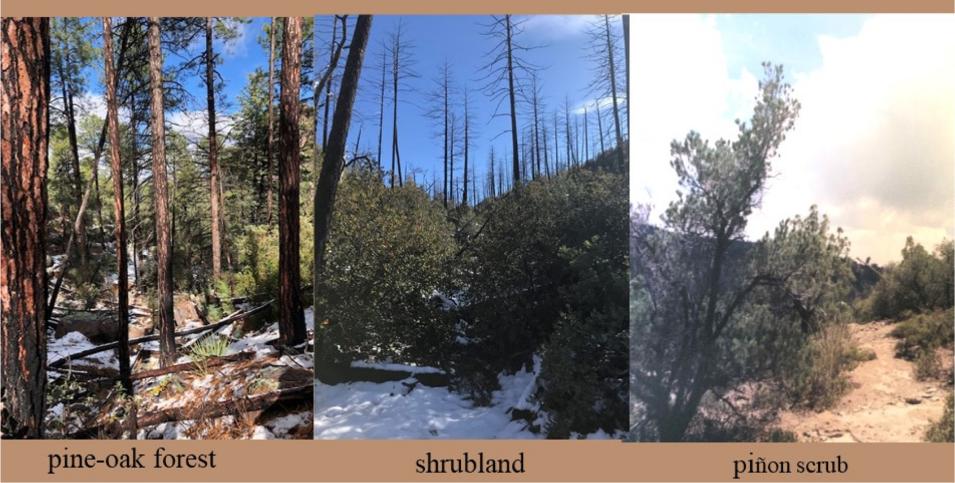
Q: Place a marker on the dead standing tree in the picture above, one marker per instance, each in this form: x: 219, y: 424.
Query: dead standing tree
x: 440, y: 113
x: 506, y: 70
x: 335, y: 151
x: 24, y: 125
x: 605, y: 46
x: 402, y: 61
x: 291, y: 316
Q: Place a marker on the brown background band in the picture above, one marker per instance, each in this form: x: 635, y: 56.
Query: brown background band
x: 544, y: 460
x: 312, y: 7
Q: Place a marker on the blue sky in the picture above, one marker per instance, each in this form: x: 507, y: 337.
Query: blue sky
x: 874, y: 143
x: 561, y: 53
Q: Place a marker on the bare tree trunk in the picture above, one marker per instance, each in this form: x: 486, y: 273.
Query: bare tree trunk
x: 537, y: 146
x: 167, y: 322
x: 67, y: 93
x: 613, y: 89
x: 119, y: 211
x: 24, y: 125
x: 513, y: 103
x: 332, y: 62
x: 381, y: 108
x: 335, y: 151
x: 451, y: 161
x: 291, y: 317
x: 600, y: 126
x: 269, y: 148
x: 586, y: 137
x: 568, y: 135
x: 464, y: 196
x: 67, y: 255
x: 556, y: 145
x: 446, y: 133
x: 395, y: 73
x: 626, y: 53
x: 544, y: 142
x: 214, y: 201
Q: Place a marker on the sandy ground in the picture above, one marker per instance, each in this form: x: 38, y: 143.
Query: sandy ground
x: 887, y: 403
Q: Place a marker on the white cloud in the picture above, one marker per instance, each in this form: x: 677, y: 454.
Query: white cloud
x: 557, y: 26
x: 681, y: 82
x: 874, y: 145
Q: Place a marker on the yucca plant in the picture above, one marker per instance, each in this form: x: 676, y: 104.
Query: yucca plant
x: 208, y: 347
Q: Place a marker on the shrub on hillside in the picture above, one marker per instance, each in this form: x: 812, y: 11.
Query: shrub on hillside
x: 388, y: 257
x: 921, y: 282
x: 943, y: 430
x: 549, y: 269
x: 919, y: 337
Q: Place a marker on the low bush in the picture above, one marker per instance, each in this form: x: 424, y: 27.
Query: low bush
x: 943, y: 430
x: 923, y: 334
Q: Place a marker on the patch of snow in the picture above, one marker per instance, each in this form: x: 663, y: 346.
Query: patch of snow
x: 261, y: 432
x: 389, y: 410
x: 73, y: 342
x: 281, y: 426
x: 387, y: 366
x: 310, y: 318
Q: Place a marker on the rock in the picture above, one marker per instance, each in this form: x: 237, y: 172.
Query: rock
x: 184, y: 310
x: 98, y: 327
x: 913, y: 400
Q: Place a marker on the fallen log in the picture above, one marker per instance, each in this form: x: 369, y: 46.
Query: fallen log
x: 213, y: 409
x: 216, y: 409
x: 140, y: 340
x: 210, y: 362
x: 333, y: 374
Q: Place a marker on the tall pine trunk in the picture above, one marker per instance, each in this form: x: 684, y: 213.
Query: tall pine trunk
x: 23, y: 165
x: 291, y: 316
x: 167, y: 321
x: 269, y: 148
x: 214, y: 201
x: 119, y: 211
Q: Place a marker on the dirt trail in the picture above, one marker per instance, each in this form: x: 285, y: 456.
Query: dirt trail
x: 887, y: 403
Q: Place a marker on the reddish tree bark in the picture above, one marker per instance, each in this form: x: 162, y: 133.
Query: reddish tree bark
x: 167, y: 322
x: 119, y: 211
x: 291, y: 316
x: 25, y: 126
x: 215, y: 204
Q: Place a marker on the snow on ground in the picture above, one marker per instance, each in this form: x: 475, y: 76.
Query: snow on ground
x: 388, y: 366
x: 73, y: 342
x: 388, y: 410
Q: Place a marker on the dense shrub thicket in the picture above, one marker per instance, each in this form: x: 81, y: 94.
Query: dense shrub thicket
x: 540, y: 271
x: 921, y: 282
x: 549, y: 271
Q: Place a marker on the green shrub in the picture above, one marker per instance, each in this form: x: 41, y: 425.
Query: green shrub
x: 921, y: 282
x: 943, y: 430
x: 818, y: 378
x: 923, y: 334
x: 207, y: 348
x: 389, y: 254
x: 548, y: 268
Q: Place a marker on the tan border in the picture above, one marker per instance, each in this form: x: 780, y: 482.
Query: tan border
x: 313, y: 7
x: 557, y: 461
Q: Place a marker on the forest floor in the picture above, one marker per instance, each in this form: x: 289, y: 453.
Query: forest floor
x: 229, y: 381
x: 886, y: 403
